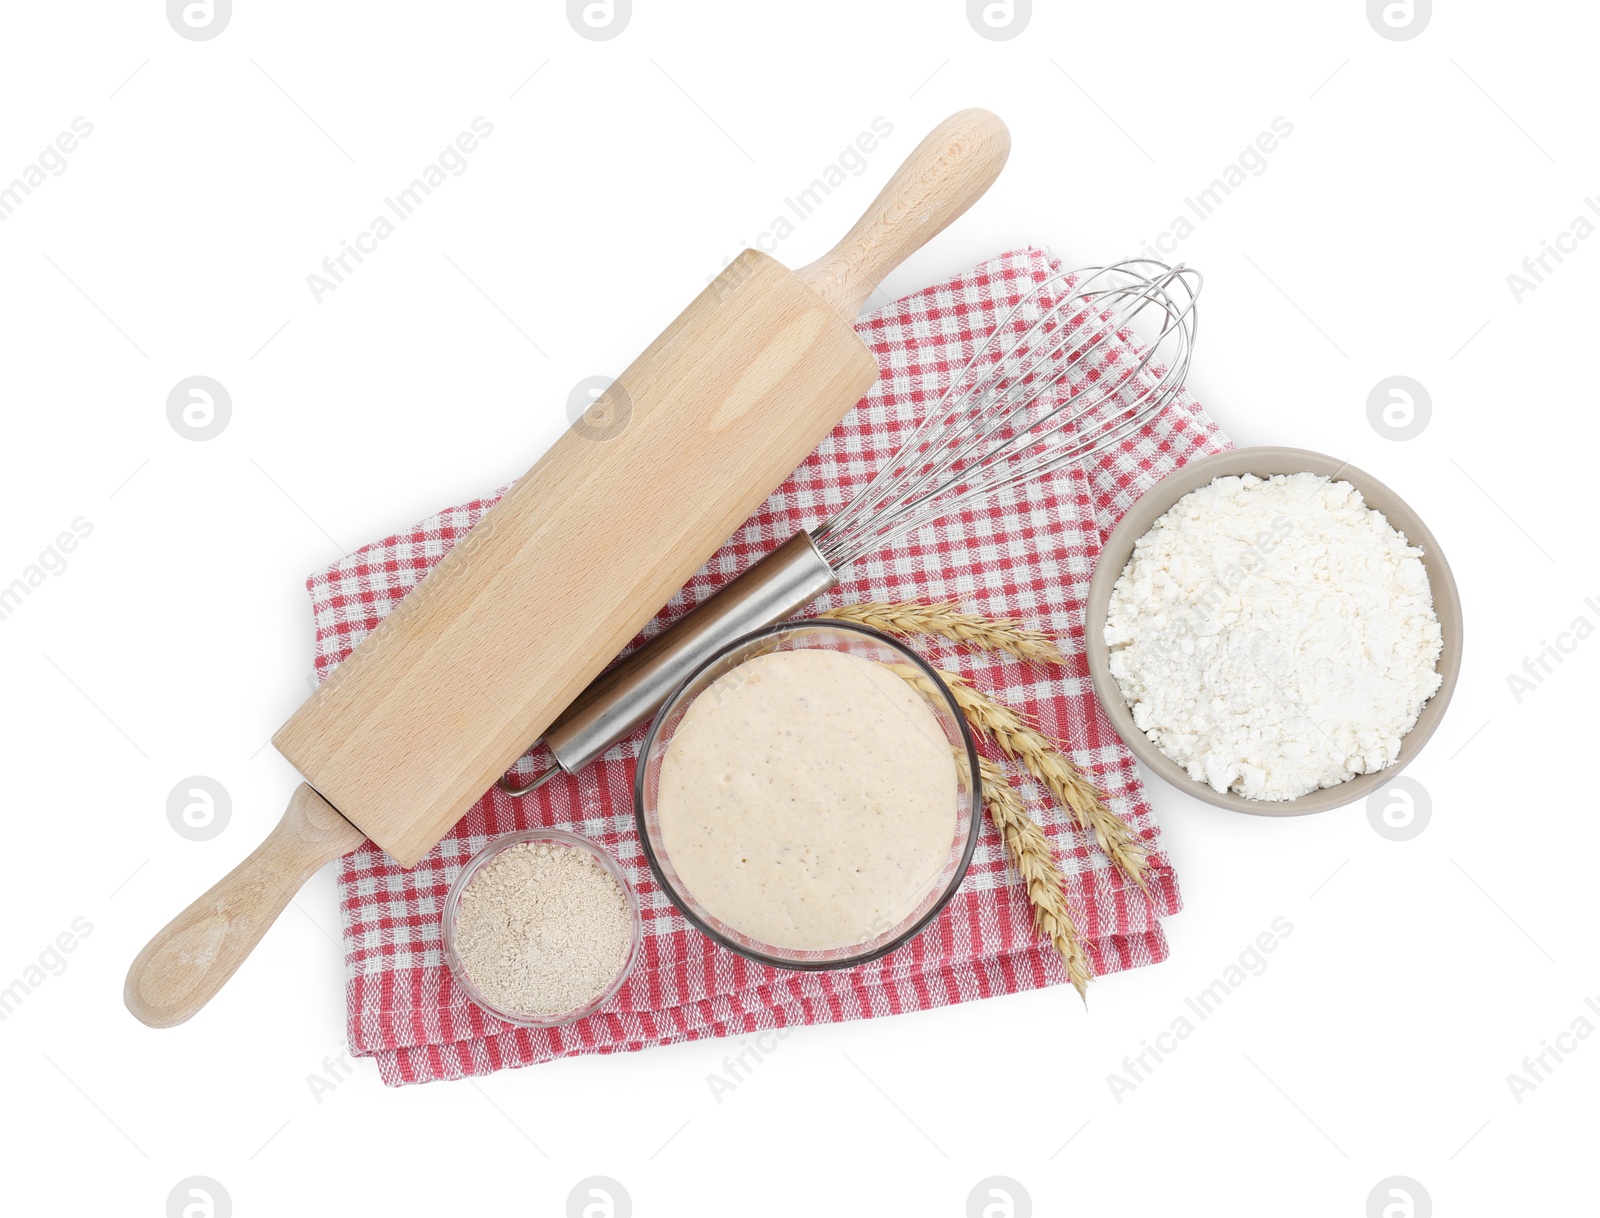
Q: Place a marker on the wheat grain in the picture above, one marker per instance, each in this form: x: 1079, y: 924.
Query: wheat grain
x: 1021, y: 742
x: 1041, y: 878
x: 947, y: 620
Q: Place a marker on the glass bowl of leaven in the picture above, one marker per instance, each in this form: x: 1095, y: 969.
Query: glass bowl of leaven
x: 813, y: 846
x: 537, y: 935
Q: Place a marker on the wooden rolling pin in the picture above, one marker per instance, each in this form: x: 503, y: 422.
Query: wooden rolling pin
x: 439, y: 701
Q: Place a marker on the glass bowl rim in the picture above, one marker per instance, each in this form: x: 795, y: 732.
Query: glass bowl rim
x: 974, y: 795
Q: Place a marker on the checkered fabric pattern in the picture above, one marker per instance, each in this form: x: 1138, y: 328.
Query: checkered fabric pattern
x: 1028, y: 555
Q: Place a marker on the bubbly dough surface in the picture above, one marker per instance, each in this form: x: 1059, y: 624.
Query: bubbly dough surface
x: 808, y: 799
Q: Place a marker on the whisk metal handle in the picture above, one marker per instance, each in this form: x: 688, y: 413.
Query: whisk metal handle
x: 624, y: 696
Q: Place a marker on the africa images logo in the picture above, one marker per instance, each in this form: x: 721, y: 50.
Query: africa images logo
x: 198, y: 808
x: 199, y: 407
x: 999, y: 20
x: 599, y: 1197
x: 199, y: 1197
x: 1399, y: 20
x: 199, y: 20
x: 1399, y: 1197
x: 599, y: 20
x: 999, y: 1197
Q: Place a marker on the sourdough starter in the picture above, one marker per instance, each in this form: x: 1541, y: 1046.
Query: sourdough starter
x: 808, y: 799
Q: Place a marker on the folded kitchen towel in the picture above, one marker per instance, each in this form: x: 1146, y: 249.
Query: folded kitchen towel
x: 1027, y: 555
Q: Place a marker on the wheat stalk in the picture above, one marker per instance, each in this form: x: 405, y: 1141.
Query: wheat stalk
x: 947, y: 620
x: 1041, y: 878
x: 1034, y: 750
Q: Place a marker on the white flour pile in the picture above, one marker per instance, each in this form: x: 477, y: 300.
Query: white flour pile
x: 1274, y: 636
x: 543, y: 929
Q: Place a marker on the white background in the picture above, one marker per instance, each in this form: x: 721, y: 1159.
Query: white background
x: 177, y: 242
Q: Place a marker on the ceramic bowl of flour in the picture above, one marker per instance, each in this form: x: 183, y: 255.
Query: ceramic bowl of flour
x: 1266, y: 463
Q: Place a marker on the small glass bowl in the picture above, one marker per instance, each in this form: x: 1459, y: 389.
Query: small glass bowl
x: 452, y: 905
x: 791, y: 636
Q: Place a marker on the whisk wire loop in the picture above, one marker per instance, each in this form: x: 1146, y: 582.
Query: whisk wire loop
x: 1063, y: 376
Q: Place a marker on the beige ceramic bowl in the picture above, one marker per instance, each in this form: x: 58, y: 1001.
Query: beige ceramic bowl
x: 1264, y: 462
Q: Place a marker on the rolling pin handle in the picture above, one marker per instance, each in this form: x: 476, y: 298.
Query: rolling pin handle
x: 944, y: 175
x: 192, y: 956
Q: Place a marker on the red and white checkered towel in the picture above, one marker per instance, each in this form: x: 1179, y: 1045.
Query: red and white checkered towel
x: 1028, y: 555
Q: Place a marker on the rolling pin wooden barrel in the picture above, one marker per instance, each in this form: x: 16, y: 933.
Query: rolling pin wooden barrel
x: 440, y: 699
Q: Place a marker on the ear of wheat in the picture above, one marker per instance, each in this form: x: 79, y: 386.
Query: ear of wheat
x: 1041, y: 878
x: 1025, y: 841
x: 947, y: 620
x: 1033, y: 749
